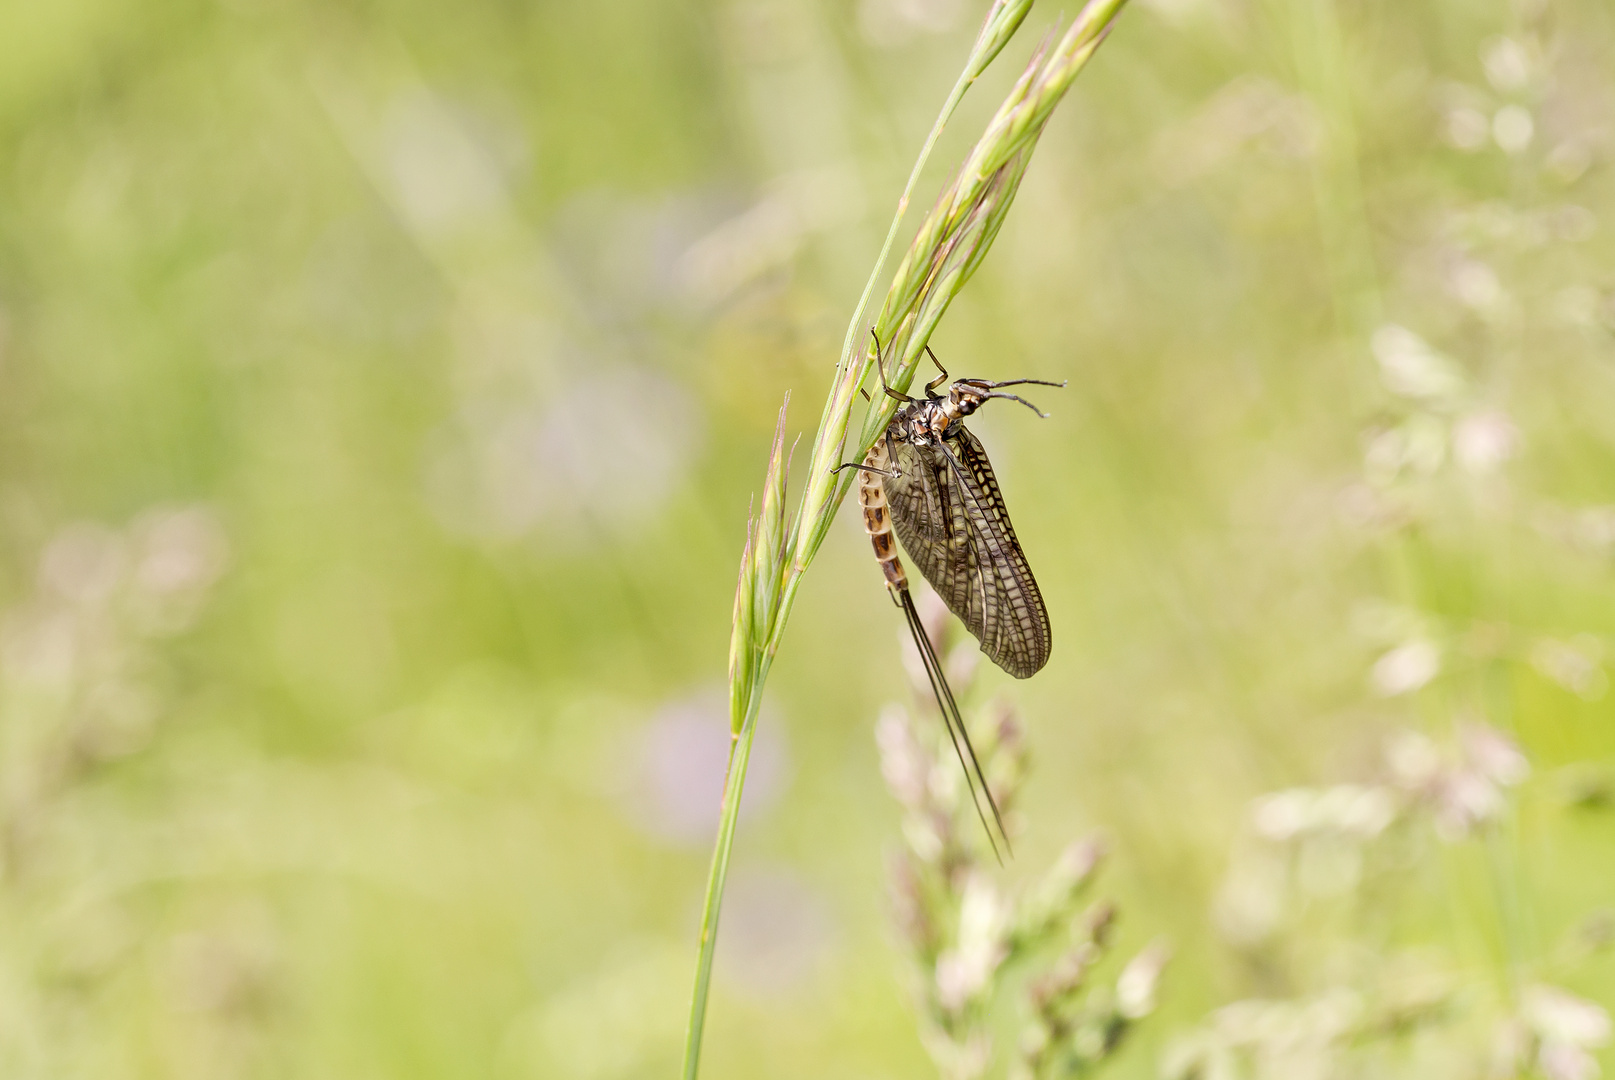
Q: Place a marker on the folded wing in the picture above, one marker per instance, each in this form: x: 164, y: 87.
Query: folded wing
x: 950, y: 516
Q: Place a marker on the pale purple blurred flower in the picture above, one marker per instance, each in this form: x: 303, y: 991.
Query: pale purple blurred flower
x: 904, y: 763
x: 1463, y: 791
x: 1493, y: 754
x: 673, y: 775
x: 777, y: 930
x: 1563, y: 1061
x: 607, y: 452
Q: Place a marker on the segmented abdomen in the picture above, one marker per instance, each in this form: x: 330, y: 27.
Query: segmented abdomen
x: 878, y: 519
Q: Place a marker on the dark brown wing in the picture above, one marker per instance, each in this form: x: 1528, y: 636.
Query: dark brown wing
x: 1015, y: 628
x: 949, y: 514
x: 931, y: 523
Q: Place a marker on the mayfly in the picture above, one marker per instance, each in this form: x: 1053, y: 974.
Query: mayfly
x: 929, y: 479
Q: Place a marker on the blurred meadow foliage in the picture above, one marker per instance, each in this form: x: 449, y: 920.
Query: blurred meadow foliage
x: 381, y: 390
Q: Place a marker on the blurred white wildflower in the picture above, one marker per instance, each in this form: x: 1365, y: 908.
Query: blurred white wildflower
x: 1466, y: 129
x: 1406, y: 668
x: 1576, y: 665
x: 1414, y: 758
x: 442, y: 175
x: 1477, y: 286
x: 1280, y: 1040
x: 1483, y: 441
x: 904, y: 764
x: 1507, y: 64
x: 1562, y: 1017
x: 1462, y: 790
x: 1419, y: 446
x: 1493, y: 754
x: 1569, y: 161
x: 963, y: 930
x: 1349, y: 810
x: 1556, y: 1029
x: 75, y: 658
x: 1136, y: 986
x: 1513, y: 129
x: 1411, y: 368
x: 963, y: 972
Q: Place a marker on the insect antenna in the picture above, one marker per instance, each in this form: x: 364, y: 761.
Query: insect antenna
x: 954, y: 722
x: 989, y: 386
x: 1026, y: 382
x: 1023, y: 401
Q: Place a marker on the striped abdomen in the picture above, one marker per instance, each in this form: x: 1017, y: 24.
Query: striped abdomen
x: 878, y: 519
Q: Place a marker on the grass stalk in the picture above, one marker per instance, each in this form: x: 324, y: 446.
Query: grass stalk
x: 948, y: 247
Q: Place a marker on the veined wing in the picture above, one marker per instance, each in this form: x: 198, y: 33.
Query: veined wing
x: 949, y: 514
x: 1015, y: 630
x: 929, y: 519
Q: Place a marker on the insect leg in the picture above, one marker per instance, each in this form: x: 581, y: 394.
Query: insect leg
x: 862, y: 468
x: 940, y: 379
x: 880, y: 367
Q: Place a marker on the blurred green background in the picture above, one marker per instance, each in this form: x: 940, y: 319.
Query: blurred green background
x: 382, y: 386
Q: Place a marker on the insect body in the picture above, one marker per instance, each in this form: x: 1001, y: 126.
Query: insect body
x: 929, y: 480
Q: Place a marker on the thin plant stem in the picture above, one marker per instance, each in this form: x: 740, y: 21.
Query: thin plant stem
x: 734, y: 782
